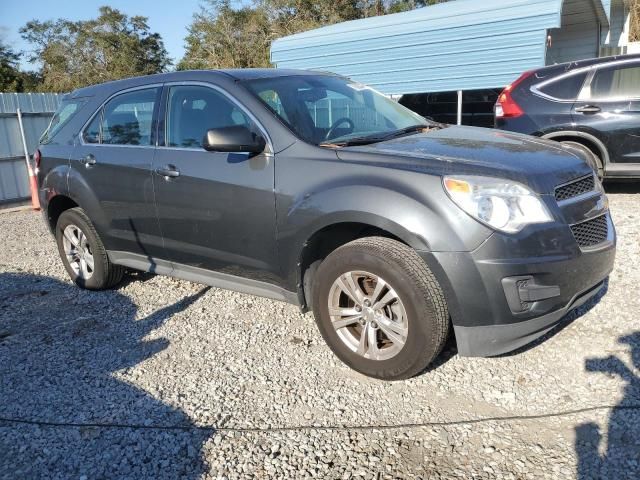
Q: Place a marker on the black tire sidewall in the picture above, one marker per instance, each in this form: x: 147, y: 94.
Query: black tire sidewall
x: 99, y: 277
x: 419, y: 343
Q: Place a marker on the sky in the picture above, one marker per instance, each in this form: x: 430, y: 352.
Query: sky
x: 169, y: 18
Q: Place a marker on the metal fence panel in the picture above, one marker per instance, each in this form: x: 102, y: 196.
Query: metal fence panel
x: 37, y: 110
x: 29, y: 102
x: 14, y: 181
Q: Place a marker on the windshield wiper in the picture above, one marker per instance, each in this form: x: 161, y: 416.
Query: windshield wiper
x: 368, y: 139
x: 365, y: 140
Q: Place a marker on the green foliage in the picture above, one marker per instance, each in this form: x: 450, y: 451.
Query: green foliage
x: 9, y: 73
x: 634, y: 28
x: 110, y: 47
x: 11, y: 78
x: 225, y: 36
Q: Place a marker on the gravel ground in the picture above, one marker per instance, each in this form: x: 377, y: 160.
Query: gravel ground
x: 164, y: 379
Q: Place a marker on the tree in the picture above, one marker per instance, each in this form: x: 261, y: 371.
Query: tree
x: 12, y: 79
x: 222, y: 36
x: 292, y: 16
x: 634, y: 33
x: 110, y: 47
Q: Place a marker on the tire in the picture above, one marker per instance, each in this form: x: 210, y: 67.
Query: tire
x: 80, y: 231
x: 418, y: 314
x: 594, y: 159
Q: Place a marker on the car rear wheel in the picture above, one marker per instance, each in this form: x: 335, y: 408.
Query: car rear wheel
x: 380, y: 309
x: 593, y: 159
x: 83, y: 254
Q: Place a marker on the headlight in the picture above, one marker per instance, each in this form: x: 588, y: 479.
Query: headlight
x: 501, y: 204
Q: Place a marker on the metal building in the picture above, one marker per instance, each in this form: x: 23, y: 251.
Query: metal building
x: 37, y: 110
x: 459, y: 45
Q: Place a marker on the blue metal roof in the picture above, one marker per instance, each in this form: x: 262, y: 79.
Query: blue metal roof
x: 458, y: 45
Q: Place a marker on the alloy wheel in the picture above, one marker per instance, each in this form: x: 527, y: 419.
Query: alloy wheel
x: 78, y: 251
x: 368, y: 315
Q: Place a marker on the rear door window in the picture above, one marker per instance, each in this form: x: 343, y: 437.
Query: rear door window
x: 566, y: 88
x: 92, y: 132
x: 127, y: 119
x: 613, y: 83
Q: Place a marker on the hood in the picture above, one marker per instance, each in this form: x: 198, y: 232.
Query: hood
x: 540, y: 164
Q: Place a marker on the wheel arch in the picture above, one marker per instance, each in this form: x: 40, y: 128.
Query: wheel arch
x: 420, y: 220
x: 57, y: 206
x: 336, y: 233
x: 587, y: 139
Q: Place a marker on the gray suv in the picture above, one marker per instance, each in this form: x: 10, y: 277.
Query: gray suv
x: 319, y: 191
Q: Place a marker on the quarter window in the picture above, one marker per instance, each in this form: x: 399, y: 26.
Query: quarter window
x: 192, y: 110
x: 616, y: 82
x: 566, y: 88
x: 64, y: 113
x: 127, y: 118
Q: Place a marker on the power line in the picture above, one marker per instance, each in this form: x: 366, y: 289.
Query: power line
x: 213, y: 428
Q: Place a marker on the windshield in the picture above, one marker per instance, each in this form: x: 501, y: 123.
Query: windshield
x: 326, y: 110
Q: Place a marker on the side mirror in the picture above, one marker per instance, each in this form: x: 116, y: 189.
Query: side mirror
x: 233, y: 139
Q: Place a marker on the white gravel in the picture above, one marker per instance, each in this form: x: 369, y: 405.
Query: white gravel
x: 168, y: 379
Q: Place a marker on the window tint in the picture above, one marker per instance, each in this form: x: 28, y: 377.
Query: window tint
x: 126, y: 119
x: 92, y: 132
x: 192, y: 110
x: 65, y: 112
x: 616, y: 82
x: 566, y: 88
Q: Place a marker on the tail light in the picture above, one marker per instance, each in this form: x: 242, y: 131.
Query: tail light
x: 36, y: 158
x: 506, y: 106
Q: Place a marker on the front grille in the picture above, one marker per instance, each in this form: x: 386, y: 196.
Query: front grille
x: 575, y: 188
x: 591, y: 232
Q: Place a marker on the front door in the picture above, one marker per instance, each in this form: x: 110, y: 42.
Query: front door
x: 113, y: 160
x: 216, y: 210
x: 611, y: 106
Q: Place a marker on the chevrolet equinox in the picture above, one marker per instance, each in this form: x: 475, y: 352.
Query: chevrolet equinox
x: 316, y: 190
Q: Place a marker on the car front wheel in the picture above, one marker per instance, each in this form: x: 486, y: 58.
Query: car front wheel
x: 380, y: 309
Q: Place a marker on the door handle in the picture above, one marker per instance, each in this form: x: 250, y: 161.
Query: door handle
x: 88, y: 161
x: 588, y: 109
x: 168, y: 171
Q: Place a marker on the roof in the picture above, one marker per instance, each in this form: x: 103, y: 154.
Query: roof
x: 558, y: 67
x: 462, y: 44
x: 184, y: 75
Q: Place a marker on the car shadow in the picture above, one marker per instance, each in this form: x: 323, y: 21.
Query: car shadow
x: 61, y: 349
x: 620, y: 446
x: 622, y: 186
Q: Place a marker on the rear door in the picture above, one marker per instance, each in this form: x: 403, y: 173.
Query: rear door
x: 216, y: 210
x: 112, y: 164
x: 559, y: 95
x: 610, y: 104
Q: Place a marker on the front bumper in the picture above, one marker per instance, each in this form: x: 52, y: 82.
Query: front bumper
x: 490, y: 340
x: 546, y: 272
